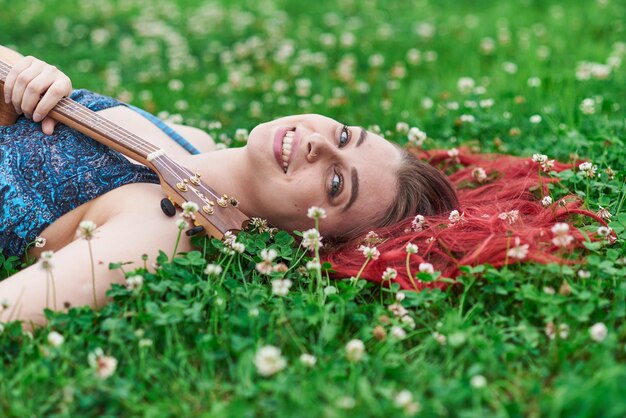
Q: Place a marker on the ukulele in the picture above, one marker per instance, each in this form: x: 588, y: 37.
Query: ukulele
x: 217, y: 212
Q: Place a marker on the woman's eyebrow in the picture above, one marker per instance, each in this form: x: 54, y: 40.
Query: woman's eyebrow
x: 362, y: 136
x: 355, y: 189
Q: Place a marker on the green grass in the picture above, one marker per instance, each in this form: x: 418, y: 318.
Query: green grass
x: 185, y: 343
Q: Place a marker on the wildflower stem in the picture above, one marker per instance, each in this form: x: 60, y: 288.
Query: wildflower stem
x: 317, y: 256
x: 408, y: 271
x: 180, y: 232
x: 93, y: 275
x: 367, y: 260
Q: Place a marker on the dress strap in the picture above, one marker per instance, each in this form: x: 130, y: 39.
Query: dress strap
x: 165, y: 128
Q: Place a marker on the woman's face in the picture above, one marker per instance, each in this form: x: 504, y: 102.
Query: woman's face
x: 346, y: 170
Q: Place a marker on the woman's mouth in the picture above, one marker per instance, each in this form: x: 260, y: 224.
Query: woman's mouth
x: 285, y: 140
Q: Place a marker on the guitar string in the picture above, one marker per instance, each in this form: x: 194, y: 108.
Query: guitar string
x: 146, y: 147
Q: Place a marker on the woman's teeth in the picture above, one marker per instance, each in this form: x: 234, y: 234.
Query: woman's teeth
x: 287, y: 140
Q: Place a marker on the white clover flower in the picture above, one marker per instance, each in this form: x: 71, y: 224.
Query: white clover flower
x: 584, y: 274
x: 55, y: 339
x: 190, y: 207
x: 86, y: 230
x: 427, y: 103
x: 181, y: 224
x: 134, y: 282
x: 316, y: 212
x: 397, y: 309
x: 400, y: 296
x: 229, y: 238
x: 238, y: 247
x: 440, y: 338
x: 588, y: 106
x: 370, y: 252
x: 416, y: 136
x: 563, y: 331
x: 478, y: 382
x: 403, y: 398
x: 105, y: 365
x: 241, y: 135
x: 453, y: 152
x: 588, y: 169
x: 465, y: 85
x: 479, y: 174
x: 549, y: 290
x: 389, y: 274
x: 408, y: 321
x: 308, y: 360
x: 518, y: 251
x: 313, y: 265
x: 397, y: 332
x: 426, y: 268
x: 546, y: 201
x: 355, y: 349
x: 535, y: 119
x: 213, y: 269
x: 562, y: 238
x: 455, y: 217
x: 280, y: 287
x: 265, y: 267
x: 534, y: 82
x: 418, y: 223
x: 268, y: 360
x: 467, y: 118
x: 311, y: 239
x: 598, y: 332
x: 45, y: 260
x: 411, y: 248
x: 145, y: 342
x: 486, y: 103
x: 40, y: 242
x: 268, y: 254
x: 604, y: 231
x: 346, y: 402
x: 540, y: 158
x: 604, y: 213
x: 511, y: 216
x: 402, y: 127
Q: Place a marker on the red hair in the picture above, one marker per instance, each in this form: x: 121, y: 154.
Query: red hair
x: 485, y: 234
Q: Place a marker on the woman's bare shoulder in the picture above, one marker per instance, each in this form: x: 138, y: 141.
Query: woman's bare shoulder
x: 197, y: 137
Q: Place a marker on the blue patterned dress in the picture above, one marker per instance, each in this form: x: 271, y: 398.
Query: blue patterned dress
x: 43, y: 177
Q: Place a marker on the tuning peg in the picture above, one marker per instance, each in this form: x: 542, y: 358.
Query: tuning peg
x: 168, y: 207
x: 195, y: 230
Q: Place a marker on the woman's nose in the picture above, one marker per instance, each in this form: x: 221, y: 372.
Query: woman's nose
x: 318, y: 146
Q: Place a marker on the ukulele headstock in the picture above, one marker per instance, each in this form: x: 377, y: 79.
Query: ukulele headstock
x: 217, y: 213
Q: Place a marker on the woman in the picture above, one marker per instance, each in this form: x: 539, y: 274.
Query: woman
x: 287, y: 166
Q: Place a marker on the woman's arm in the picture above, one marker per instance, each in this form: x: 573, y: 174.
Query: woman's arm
x: 136, y: 226
x: 34, y: 87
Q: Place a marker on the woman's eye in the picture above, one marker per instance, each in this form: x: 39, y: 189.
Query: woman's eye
x: 344, y: 137
x: 336, y: 184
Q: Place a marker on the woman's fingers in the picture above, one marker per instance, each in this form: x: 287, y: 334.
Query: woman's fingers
x: 21, y: 82
x: 59, y: 88
x: 33, y: 92
x: 34, y: 88
x: 47, y: 125
x: 12, y: 76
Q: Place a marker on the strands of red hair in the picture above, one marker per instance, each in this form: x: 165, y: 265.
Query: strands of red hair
x: 489, y: 226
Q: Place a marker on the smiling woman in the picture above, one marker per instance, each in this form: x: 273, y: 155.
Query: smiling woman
x: 55, y: 179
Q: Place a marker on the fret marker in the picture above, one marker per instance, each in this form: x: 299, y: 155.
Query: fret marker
x: 155, y: 154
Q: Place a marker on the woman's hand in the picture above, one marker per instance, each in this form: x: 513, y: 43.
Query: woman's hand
x: 34, y: 88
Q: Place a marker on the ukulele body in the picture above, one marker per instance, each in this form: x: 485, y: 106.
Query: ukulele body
x: 7, y: 112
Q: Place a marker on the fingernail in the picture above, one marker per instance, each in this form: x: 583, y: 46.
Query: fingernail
x: 36, y: 117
